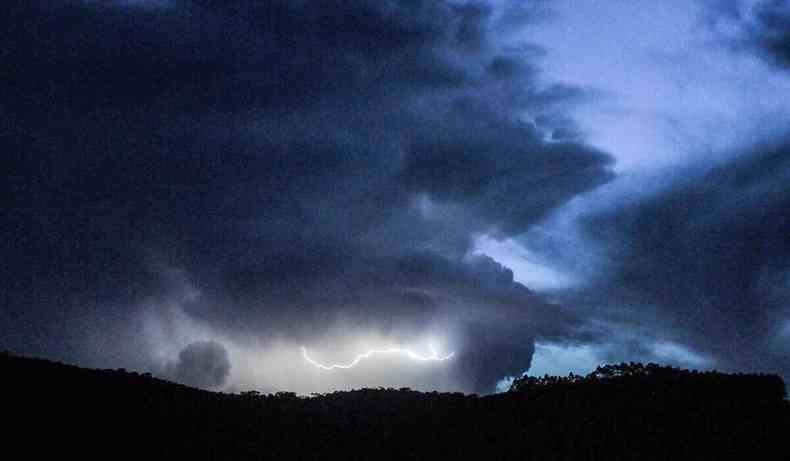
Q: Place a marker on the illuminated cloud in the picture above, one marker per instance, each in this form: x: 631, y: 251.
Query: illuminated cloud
x: 372, y: 353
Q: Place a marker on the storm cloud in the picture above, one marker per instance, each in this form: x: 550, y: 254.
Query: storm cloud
x: 713, y: 261
x: 199, y: 185
x: 760, y: 27
x: 772, y: 31
x: 202, y: 364
x: 707, y: 258
x: 300, y: 163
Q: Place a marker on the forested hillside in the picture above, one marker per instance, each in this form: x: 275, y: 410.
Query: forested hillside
x: 626, y: 411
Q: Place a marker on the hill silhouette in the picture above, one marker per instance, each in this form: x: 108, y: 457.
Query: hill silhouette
x: 625, y: 411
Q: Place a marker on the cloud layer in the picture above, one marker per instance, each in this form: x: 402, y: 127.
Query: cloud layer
x: 201, y: 187
x: 301, y: 162
x: 705, y: 258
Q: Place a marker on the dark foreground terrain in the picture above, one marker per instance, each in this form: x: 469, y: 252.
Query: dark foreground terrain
x: 627, y: 411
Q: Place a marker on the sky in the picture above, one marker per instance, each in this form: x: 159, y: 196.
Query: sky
x: 208, y: 189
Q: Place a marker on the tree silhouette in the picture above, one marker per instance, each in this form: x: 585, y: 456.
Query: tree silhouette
x: 622, y: 411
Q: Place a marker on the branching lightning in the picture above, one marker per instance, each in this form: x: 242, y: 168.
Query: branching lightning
x: 432, y: 357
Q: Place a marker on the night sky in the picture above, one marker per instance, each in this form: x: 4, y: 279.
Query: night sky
x: 201, y: 188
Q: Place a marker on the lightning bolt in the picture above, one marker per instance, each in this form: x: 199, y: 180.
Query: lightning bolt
x: 433, y: 357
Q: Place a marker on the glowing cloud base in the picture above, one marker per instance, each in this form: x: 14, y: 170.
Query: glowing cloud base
x: 433, y: 357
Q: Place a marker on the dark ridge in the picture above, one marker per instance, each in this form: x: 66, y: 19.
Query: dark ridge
x: 626, y: 411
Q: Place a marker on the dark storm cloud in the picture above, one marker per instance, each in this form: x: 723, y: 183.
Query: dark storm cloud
x: 202, y: 364
x: 771, y: 31
x: 705, y: 261
x: 763, y: 28
x: 295, y: 158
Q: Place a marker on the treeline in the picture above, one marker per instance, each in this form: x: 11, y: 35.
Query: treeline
x: 626, y: 411
x: 635, y: 382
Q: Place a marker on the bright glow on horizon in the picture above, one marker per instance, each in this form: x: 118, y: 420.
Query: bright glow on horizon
x: 433, y: 357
